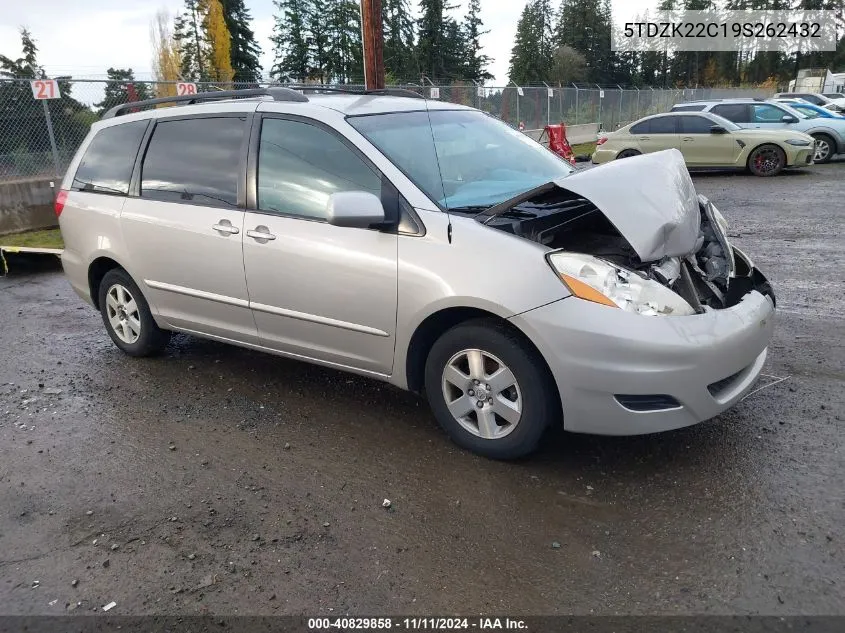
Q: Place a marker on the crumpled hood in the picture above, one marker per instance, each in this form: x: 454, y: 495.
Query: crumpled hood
x: 650, y: 199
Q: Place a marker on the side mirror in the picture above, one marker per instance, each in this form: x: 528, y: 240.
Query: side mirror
x: 717, y: 129
x: 354, y: 209
x: 788, y: 118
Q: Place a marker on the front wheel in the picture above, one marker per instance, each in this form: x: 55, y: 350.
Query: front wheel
x: 766, y: 160
x: 490, y: 390
x: 824, y: 149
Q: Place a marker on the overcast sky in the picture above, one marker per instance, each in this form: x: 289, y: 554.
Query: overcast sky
x: 85, y: 37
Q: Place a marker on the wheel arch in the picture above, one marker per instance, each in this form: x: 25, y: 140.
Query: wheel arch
x: 97, y: 269
x: 434, y: 325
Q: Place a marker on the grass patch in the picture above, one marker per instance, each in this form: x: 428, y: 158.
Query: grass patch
x: 50, y: 238
x: 584, y: 148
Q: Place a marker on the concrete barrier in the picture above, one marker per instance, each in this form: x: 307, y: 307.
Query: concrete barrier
x: 26, y: 205
x: 584, y: 133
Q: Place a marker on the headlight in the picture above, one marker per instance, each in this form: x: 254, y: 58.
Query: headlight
x: 601, y: 282
x: 797, y: 142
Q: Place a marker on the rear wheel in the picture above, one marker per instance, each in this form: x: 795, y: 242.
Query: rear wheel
x: 824, y: 149
x: 627, y: 153
x: 127, y: 316
x: 490, y: 390
x: 766, y: 160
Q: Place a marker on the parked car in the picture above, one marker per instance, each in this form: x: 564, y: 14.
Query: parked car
x: 811, y: 111
x: 759, y: 114
x: 421, y: 243
x: 708, y: 141
x: 818, y: 99
x: 834, y: 96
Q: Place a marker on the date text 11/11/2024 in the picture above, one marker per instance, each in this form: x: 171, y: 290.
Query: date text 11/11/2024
x: 417, y: 624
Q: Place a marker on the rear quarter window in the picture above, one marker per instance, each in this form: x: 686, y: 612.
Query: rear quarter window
x: 106, y: 166
x: 642, y: 128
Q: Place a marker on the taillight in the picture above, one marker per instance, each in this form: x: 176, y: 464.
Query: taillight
x: 59, y: 204
x: 602, y: 140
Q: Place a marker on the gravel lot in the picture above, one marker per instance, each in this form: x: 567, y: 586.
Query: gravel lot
x: 218, y: 480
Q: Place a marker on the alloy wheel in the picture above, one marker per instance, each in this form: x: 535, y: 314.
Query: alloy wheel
x: 822, y: 151
x: 122, y: 313
x: 482, y: 394
x: 767, y: 160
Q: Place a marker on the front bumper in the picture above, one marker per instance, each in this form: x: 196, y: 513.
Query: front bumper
x: 800, y: 157
x: 706, y: 362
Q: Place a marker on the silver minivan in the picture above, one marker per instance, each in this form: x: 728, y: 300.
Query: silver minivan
x: 421, y: 243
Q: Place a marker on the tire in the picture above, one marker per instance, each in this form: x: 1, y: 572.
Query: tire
x: 825, y: 149
x: 627, y: 153
x: 127, y: 317
x: 530, y: 400
x: 766, y: 160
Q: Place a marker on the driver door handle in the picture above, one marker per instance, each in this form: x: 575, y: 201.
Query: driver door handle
x: 688, y: 138
x: 261, y: 233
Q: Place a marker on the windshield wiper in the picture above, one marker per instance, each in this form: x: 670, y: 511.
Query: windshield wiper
x: 473, y: 208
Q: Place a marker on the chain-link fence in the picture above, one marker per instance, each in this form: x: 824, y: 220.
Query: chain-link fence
x: 38, y: 138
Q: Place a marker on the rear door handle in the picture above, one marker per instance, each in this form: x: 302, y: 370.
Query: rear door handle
x: 224, y: 226
x: 687, y: 138
x: 261, y: 233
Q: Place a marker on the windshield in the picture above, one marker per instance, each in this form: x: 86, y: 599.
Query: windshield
x: 728, y: 125
x: 461, y: 159
x: 806, y: 109
x: 787, y: 107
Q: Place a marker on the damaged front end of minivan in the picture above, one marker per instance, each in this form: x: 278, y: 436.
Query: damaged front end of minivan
x: 633, y: 234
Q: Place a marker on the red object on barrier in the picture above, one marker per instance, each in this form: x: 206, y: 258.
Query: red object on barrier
x: 558, y: 143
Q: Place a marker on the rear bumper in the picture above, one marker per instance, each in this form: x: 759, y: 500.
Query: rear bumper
x: 603, y: 156
x: 705, y: 362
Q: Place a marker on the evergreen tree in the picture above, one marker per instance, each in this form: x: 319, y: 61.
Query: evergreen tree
x: 121, y: 88
x: 188, y: 33
x: 26, y: 66
x: 430, y: 28
x: 532, y: 57
x: 585, y: 25
x: 399, y: 57
x: 245, y: 50
x: 290, y: 41
x: 346, y: 56
x: 475, y: 62
x: 319, y: 38
x: 454, y: 50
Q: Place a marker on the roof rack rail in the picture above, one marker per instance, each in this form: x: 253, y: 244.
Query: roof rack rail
x: 385, y: 92
x: 277, y: 93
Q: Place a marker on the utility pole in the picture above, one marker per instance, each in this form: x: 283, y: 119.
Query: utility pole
x: 373, y: 37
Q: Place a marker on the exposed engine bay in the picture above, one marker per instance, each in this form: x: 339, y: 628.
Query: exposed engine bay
x: 713, y: 275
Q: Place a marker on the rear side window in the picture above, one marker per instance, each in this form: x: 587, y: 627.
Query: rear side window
x: 689, y: 108
x: 736, y: 112
x: 194, y: 161
x: 107, y: 164
x: 696, y: 125
x: 664, y: 125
